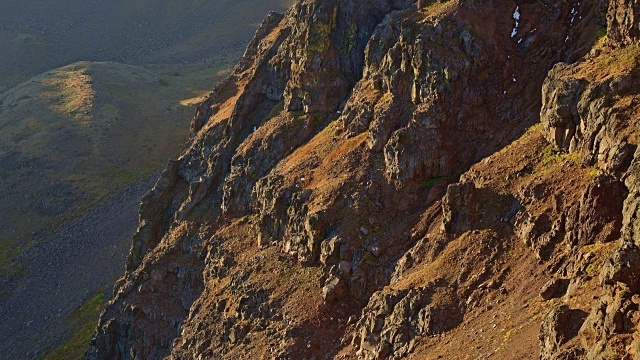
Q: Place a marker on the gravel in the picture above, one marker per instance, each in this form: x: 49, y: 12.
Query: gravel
x: 61, y: 274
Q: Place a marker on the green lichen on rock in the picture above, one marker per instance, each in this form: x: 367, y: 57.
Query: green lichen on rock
x: 351, y: 39
x: 318, y: 40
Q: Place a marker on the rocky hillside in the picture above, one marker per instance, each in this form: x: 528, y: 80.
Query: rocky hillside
x: 401, y: 179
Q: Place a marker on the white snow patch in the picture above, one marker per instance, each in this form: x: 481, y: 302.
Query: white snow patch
x: 516, y: 18
x: 574, y: 12
x: 254, y: 129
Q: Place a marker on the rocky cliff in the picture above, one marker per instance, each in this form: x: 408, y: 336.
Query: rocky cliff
x: 373, y: 181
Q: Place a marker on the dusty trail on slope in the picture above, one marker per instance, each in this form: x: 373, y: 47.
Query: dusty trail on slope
x: 61, y: 274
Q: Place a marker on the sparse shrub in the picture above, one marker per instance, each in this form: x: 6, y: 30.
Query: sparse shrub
x: 550, y: 155
x: 432, y: 181
x: 601, y: 34
x: 591, y: 172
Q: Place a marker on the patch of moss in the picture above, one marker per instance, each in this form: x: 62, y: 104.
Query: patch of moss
x: 551, y: 155
x: 277, y: 109
x: 318, y: 38
x: 609, y: 354
x: 368, y: 258
x: 534, y: 128
x: 432, y: 181
x: 83, y: 320
x: 601, y: 34
x: 591, y: 172
x: 8, y: 253
x: 593, y: 269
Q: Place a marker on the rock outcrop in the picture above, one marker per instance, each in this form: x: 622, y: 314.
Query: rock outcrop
x: 583, y: 114
x: 391, y: 322
x: 365, y: 182
x: 623, y: 21
x: 558, y: 327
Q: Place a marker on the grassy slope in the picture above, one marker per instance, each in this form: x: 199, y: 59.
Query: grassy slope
x: 74, y: 135
x: 83, y: 320
x: 23, y: 55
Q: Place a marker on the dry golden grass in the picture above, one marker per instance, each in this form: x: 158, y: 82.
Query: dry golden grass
x: 610, y: 62
x: 435, y: 8
x: 70, y: 92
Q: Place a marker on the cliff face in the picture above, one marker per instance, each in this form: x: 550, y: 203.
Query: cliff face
x: 328, y: 204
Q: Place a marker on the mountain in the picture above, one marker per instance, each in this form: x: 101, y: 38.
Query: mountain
x: 95, y: 96
x: 401, y: 179
x: 74, y: 134
x: 37, y: 36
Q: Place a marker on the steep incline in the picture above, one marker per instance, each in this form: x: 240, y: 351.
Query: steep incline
x: 64, y: 273
x: 310, y: 217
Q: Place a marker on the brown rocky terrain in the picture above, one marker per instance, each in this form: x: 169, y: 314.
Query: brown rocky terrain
x: 80, y: 141
x: 401, y: 179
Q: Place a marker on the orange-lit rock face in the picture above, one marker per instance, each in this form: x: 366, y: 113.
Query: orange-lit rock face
x: 365, y: 180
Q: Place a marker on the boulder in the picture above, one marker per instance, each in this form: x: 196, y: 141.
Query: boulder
x: 391, y: 321
x: 458, y: 208
x: 330, y: 250
x: 554, y: 288
x: 623, y: 267
x: 610, y: 317
x: 599, y: 216
x: 559, y: 326
x: 334, y: 289
x: 559, y: 114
